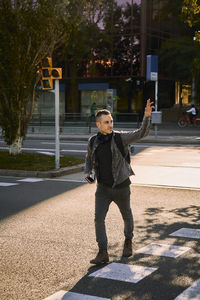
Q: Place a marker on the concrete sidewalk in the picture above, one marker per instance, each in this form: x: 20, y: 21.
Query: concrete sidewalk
x: 155, y: 176
x: 163, y: 176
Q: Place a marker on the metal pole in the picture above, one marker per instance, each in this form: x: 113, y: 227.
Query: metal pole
x: 156, y: 95
x: 156, y: 105
x: 57, y: 126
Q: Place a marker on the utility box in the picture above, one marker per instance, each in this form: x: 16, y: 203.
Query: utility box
x: 156, y: 117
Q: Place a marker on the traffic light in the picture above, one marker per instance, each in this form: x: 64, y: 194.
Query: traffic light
x: 56, y: 73
x: 49, y: 73
x: 46, y: 66
x: 47, y: 84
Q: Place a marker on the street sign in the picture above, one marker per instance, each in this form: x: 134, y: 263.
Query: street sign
x: 154, y: 76
x: 152, y: 68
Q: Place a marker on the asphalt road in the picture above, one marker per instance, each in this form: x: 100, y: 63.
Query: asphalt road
x: 47, y: 235
x: 72, y: 148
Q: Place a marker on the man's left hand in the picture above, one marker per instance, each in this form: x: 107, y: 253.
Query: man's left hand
x: 148, y: 108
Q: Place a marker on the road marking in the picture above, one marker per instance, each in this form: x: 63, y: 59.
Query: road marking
x: 77, y: 151
x: 65, y: 143
x: 163, y: 250
x: 187, y: 232
x: 123, y: 272
x: 31, y: 180
x: 64, y: 295
x: 46, y: 153
x: 7, y: 184
x: 191, y: 293
x: 57, y: 296
x: 67, y: 180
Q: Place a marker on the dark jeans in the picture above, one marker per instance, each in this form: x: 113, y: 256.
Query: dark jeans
x: 191, y: 116
x: 103, y: 198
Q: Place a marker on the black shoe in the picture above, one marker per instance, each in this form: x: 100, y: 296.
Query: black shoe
x: 127, y: 251
x: 101, y: 258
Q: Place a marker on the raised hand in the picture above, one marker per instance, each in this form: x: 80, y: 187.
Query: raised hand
x: 148, y: 108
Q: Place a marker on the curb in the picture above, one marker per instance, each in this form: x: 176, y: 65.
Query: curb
x: 43, y: 174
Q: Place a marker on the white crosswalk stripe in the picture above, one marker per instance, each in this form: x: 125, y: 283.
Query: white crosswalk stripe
x: 63, y: 295
x: 187, y: 233
x: 191, y: 293
x: 124, y: 272
x: 7, y: 184
x: 31, y: 180
x: 163, y: 250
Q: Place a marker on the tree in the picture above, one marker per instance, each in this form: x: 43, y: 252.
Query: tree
x: 179, y: 54
x: 191, y: 15
x: 29, y: 31
x: 180, y: 58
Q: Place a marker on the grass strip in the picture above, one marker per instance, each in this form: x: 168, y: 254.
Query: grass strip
x: 35, y: 161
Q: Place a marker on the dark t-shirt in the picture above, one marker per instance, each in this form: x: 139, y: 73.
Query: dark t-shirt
x: 104, y: 158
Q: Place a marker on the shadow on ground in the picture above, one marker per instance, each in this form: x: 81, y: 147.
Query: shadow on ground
x: 14, y: 199
x: 172, y: 276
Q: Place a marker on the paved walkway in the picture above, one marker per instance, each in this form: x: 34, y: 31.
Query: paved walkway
x: 173, y: 177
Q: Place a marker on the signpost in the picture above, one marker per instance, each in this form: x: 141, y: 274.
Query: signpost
x: 48, y: 74
x: 152, y: 75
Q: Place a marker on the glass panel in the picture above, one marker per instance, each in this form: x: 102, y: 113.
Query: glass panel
x: 89, y: 97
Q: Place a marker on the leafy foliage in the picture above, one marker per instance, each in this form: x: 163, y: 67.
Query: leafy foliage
x: 28, y: 31
x: 88, y: 36
x: 191, y: 11
x: 191, y: 15
x: 179, y: 54
x: 180, y: 58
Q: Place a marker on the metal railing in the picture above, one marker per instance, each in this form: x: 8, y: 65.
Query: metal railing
x: 78, y: 120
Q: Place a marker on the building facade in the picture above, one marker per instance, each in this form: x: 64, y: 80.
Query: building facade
x: 124, y: 92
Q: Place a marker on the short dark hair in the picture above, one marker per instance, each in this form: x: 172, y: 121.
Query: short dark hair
x: 101, y: 112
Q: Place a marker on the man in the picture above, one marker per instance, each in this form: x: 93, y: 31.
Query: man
x: 112, y: 171
x: 192, y: 113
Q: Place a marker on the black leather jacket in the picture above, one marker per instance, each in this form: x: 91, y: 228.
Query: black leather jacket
x: 121, y: 169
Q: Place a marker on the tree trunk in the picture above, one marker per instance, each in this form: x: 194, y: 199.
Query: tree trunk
x: 16, y: 146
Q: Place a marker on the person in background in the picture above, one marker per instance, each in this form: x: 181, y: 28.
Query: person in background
x: 92, y: 111
x: 192, y: 113
x: 112, y: 171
